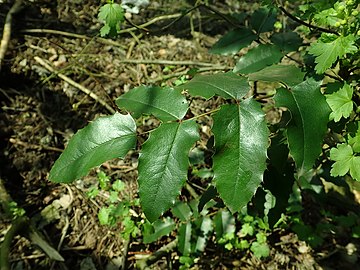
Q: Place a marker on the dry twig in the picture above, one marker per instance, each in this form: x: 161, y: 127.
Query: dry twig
x: 75, y: 84
x: 7, y: 29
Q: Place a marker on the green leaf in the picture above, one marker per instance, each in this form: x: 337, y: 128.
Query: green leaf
x: 184, y: 237
x: 163, y: 165
x: 287, y: 41
x: 160, y: 228
x: 355, y: 141
x: 206, y: 227
x: 247, y: 229
x: 233, y: 41
x: 118, y: 185
x: 258, y: 58
x: 103, y: 216
x: 227, y: 85
x: 224, y: 223
x: 260, y: 249
x: 105, y: 138
x: 111, y: 15
x: 327, y: 17
x: 310, y: 114
x: 327, y: 53
x: 345, y: 161
x: 287, y: 74
x: 340, y: 103
x: 208, y: 195
x: 241, y: 140
x: 182, y: 211
x: 164, y: 103
x: 262, y: 20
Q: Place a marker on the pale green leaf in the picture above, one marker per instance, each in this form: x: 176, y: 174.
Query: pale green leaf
x: 260, y: 250
x: 340, y: 103
x: 233, y: 41
x: 160, y: 228
x: 111, y: 15
x: 287, y: 74
x: 164, y: 103
x: 184, y: 238
x: 241, y: 140
x: 327, y: 17
x: 163, y: 165
x: 310, y: 114
x: 258, y: 58
x: 104, y: 139
x: 182, y: 211
x: 345, y: 161
x: 206, y: 227
x: 227, y: 85
x: 224, y: 223
x: 354, y: 141
x: 327, y: 53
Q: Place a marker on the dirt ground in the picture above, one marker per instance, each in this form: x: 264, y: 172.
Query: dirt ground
x: 54, y: 49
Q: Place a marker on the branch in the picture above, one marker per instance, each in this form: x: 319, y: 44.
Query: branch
x: 75, y: 84
x: 7, y: 29
x: 307, y: 24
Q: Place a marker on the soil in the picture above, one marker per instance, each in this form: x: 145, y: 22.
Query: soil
x: 40, y: 111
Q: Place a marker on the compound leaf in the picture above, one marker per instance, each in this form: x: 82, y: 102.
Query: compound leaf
x: 345, y: 161
x: 233, y: 41
x: 164, y: 103
x: 111, y: 15
x: 258, y: 58
x: 308, y: 125
x: 105, y: 138
x: 340, y: 103
x: 227, y: 85
x: 290, y: 75
x: 241, y: 140
x: 163, y: 165
x: 328, y: 52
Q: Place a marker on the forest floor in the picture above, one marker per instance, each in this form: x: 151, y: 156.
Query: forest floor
x: 53, y: 57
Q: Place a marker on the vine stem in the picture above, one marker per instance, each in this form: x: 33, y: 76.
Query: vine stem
x: 203, y: 114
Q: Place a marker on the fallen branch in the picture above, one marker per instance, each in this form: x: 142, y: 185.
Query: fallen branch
x: 75, y: 84
x: 7, y: 29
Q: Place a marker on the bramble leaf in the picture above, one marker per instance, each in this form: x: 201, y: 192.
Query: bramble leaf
x: 163, y: 165
x: 345, y: 161
x: 233, y: 41
x: 105, y: 138
x: 258, y: 58
x: 241, y: 140
x: 227, y: 85
x: 310, y: 114
x: 328, y: 52
x: 290, y: 75
x: 111, y: 15
x: 164, y: 103
x: 340, y: 103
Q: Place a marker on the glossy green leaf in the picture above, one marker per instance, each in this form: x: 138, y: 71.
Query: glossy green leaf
x: 310, y: 113
x: 290, y: 75
x: 328, y: 52
x: 184, y: 238
x: 224, y: 223
x: 287, y: 41
x: 241, y: 140
x: 163, y: 165
x: 208, y: 195
x: 345, y: 161
x: 160, y: 228
x: 182, y: 211
x: 206, y: 227
x: 258, y: 58
x: 262, y: 20
x: 164, y: 103
x: 227, y: 85
x: 105, y: 138
x: 233, y: 41
x: 341, y: 103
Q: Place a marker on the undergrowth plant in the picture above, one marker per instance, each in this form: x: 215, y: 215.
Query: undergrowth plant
x: 308, y: 75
